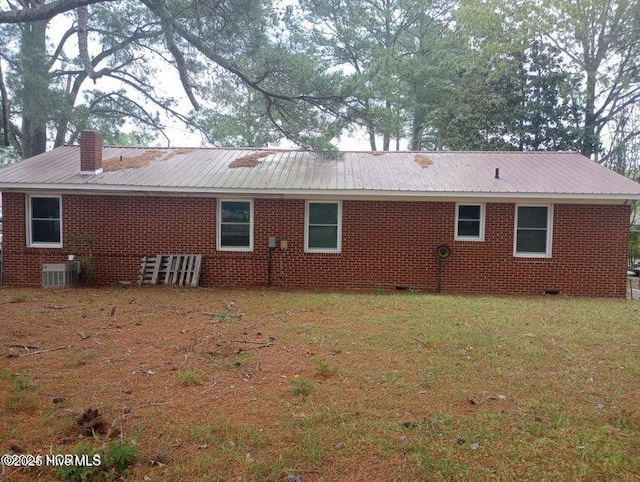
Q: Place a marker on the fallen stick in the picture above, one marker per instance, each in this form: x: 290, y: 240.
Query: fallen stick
x: 210, y: 388
x: 111, y: 431
x: 222, y: 314
x: 42, y: 351
x: 66, y: 411
x: 185, y: 361
x: 424, y: 344
x: 247, y: 350
x: 260, y: 343
x: 20, y: 345
x: 154, y: 404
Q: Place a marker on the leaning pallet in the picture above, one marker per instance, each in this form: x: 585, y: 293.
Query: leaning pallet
x: 149, y: 270
x: 171, y: 269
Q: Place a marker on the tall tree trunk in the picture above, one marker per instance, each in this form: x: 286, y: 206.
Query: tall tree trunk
x: 417, y: 116
x: 371, y: 130
x: 417, y: 126
x: 35, y: 88
x: 6, y: 139
x: 589, y: 141
x: 372, y: 137
x: 386, y: 136
x: 71, y: 94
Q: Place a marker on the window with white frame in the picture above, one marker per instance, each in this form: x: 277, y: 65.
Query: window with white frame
x: 469, y: 222
x: 235, y: 225
x: 323, y: 226
x: 45, y: 221
x: 533, y: 231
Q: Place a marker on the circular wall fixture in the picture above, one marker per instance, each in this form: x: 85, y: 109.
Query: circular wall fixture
x: 443, y: 252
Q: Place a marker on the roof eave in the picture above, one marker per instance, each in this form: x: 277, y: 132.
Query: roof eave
x: 318, y: 193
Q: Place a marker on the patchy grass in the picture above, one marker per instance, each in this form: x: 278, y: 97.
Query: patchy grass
x: 21, y: 384
x: 302, y: 386
x: 188, y: 378
x: 18, y: 298
x: 323, y: 367
x: 396, y: 387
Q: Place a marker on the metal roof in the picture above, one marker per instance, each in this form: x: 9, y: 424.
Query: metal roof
x: 300, y: 173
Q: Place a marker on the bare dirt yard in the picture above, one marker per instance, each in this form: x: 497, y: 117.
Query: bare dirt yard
x: 165, y: 384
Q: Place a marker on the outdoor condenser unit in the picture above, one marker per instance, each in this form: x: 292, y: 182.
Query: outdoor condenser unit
x: 57, y: 275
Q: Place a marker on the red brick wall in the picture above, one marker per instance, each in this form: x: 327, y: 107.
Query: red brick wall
x: 385, y: 244
x: 90, y: 151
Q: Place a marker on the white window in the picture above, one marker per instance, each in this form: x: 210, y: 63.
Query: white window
x: 469, y: 222
x: 533, y: 231
x: 45, y: 221
x: 235, y: 225
x: 323, y: 226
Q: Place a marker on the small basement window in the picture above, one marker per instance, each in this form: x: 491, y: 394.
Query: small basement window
x: 533, y: 231
x: 323, y: 227
x: 469, y: 222
x: 45, y: 221
x: 235, y: 225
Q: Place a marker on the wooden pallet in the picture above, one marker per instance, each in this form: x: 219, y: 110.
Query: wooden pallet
x: 170, y: 269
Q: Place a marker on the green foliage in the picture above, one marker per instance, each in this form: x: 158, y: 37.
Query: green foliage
x: 120, y: 455
x: 454, y: 74
x: 246, y: 77
x: 188, y: 378
x: 82, y: 473
x: 391, y: 53
x: 22, y: 381
x: 624, y: 155
x: 240, y: 118
x: 82, y: 246
x: 8, y: 156
x: 323, y: 367
x: 589, y: 69
x: 519, y: 100
x: 20, y: 298
x: 18, y: 398
x: 142, y: 137
x: 82, y: 358
x: 302, y: 386
x: 109, y: 464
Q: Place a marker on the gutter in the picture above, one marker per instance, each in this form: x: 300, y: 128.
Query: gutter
x: 355, y: 194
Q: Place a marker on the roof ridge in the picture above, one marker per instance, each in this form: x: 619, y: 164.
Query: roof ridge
x: 203, y: 148
x: 350, y: 151
x: 494, y: 152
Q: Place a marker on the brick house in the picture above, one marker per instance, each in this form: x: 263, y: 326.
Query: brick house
x: 506, y: 222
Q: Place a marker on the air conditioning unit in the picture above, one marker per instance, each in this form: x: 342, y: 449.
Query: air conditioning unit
x: 58, y: 275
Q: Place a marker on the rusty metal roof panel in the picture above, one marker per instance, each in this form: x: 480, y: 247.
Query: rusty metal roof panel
x: 279, y: 171
x: 524, y: 172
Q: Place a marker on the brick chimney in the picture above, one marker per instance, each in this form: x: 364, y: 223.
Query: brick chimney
x: 90, y: 152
